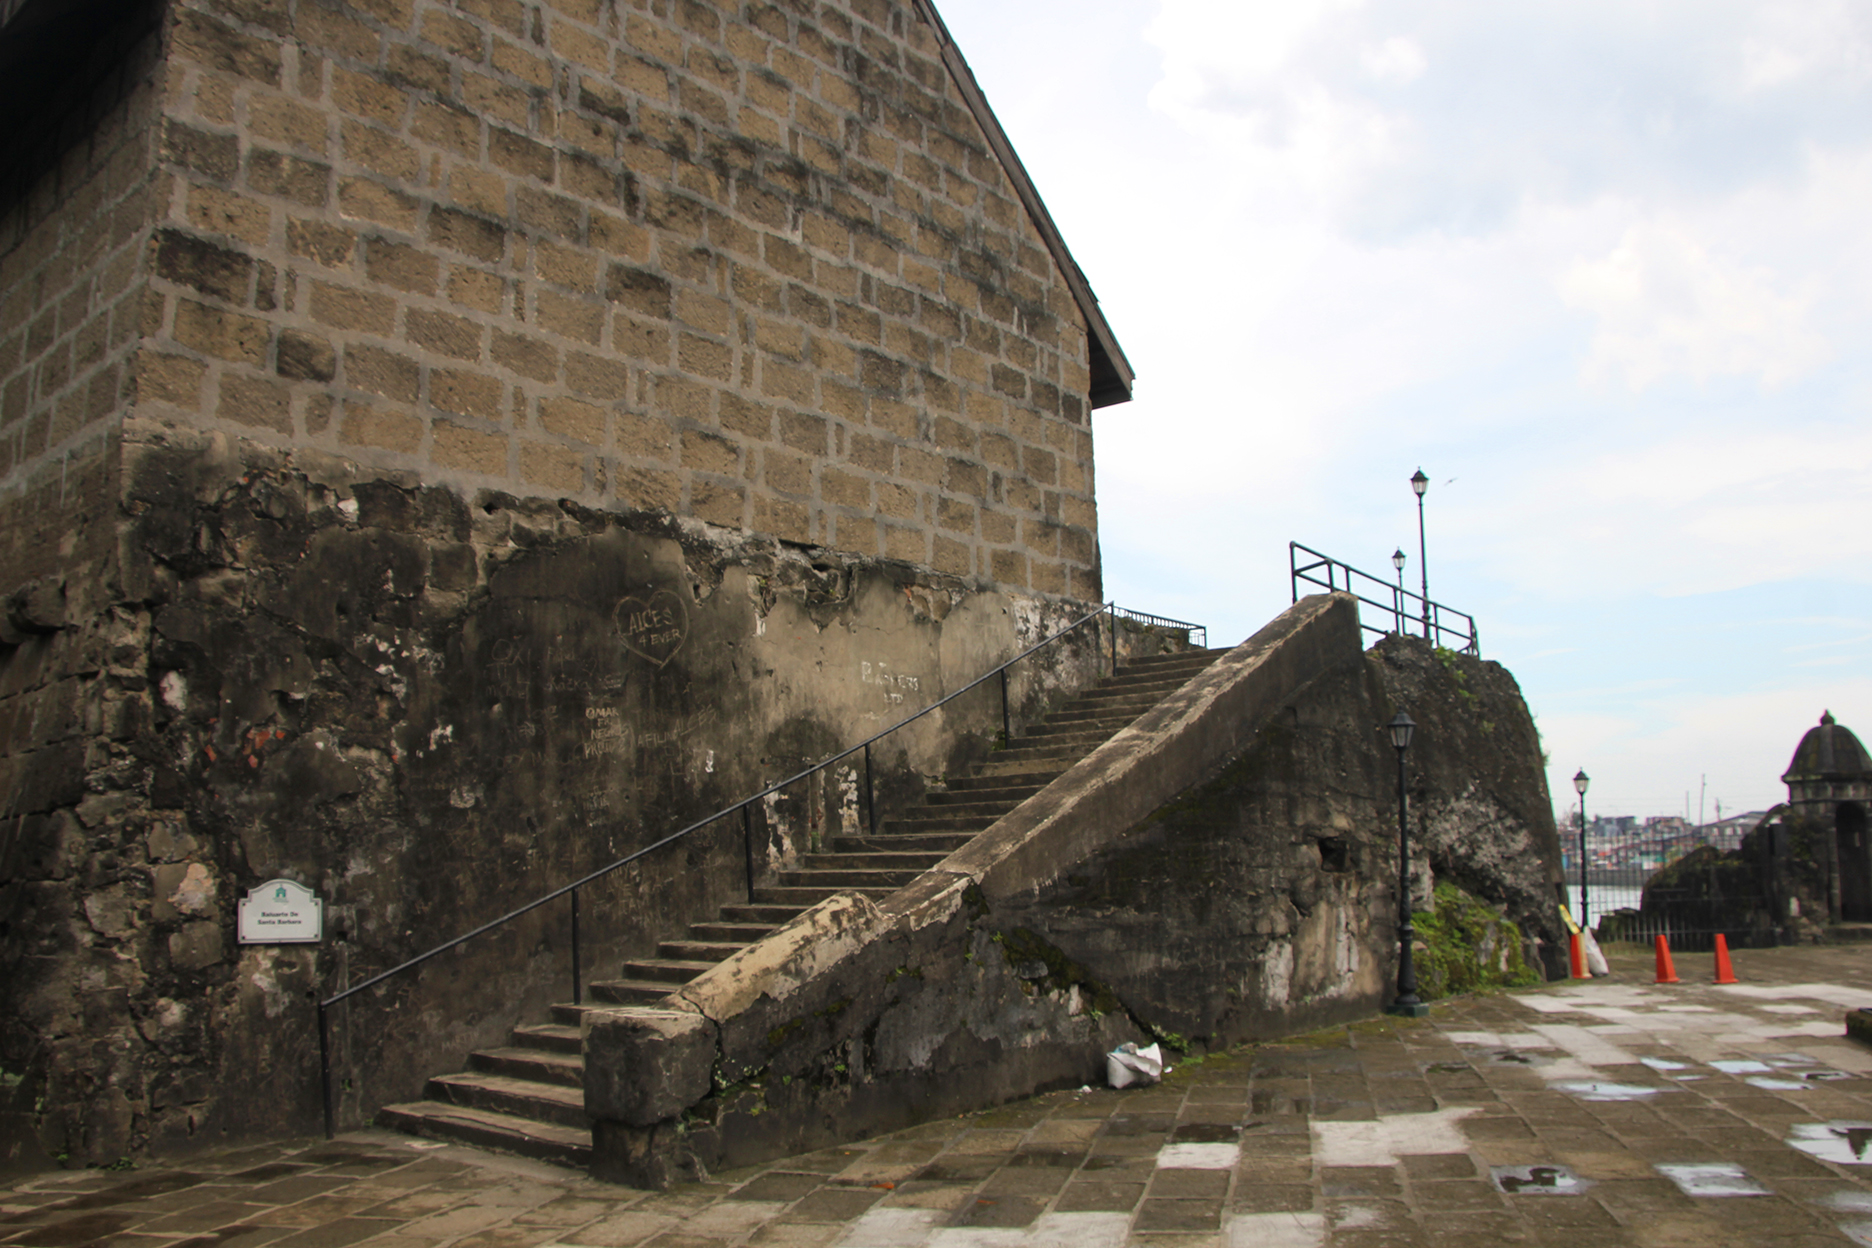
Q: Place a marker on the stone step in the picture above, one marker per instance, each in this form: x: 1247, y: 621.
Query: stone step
x: 937, y: 820
x: 503, y: 1094
x: 555, y: 1037
x: 1106, y: 724
x: 984, y: 809
x: 1036, y: 778
x: 1146, y: 677
x: 709, y: 951
x: 1068, y: 737
x: 569, y: 1016
x: 631, y: 991
x: 802, y: 896
x: 1120, y: 701
x: 1012, y: 794
x: 541, y: 1141
x: 773, y: 914
x: 896, y: 860
x: 536, y: 1065
x: 838, y: 879
x: 1026, y: 758
x: 673, y: 971
x: 1172, y: 659
x: 730, y: 933
x: 936, y: 845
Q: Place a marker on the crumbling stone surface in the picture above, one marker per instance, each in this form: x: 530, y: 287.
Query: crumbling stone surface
x: 1481, y: 814
x: 1259, y: 900
x: 428, y: 709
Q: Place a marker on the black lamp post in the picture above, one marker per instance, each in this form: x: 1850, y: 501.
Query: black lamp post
x: 1397, y: 562
x: 1407, y: 1004
x: 1419, y: 483
x: 1580, y: 781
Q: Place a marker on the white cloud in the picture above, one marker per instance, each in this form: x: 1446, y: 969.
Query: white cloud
x: 1666, y: 305
x: 1396, y: 60
x: 1602, y: 262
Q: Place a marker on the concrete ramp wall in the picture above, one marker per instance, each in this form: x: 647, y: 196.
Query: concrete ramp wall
x: 1072, y: 925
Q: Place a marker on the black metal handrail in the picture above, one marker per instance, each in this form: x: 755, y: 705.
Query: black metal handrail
x: 1342, y: 577
x: 744, y: 807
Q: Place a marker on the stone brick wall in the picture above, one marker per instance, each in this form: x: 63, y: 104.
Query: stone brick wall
x: 748, y: 263
x: 360, y: 362
x: 74, y: 213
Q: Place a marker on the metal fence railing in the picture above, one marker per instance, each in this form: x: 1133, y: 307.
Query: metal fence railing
x: 1667, y: 878
x: 1401, y: 610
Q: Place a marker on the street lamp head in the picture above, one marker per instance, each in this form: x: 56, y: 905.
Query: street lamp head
x: 1400, y: 729
x: 1580, y: 781
x: 1397, y: 560
x: 1419, y: 482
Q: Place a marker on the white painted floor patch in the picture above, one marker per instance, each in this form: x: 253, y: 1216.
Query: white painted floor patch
x: 1845, y: 1142
x: 1076, y: 1230
x: 1847, y: 1202
x: 917, y: 1228
x: 1712, y: 1178
x: 1380, y: 1143
x: 1198, y: 1156
x: 1584, y: 1045
x: 1602, y: 1090
x: 1276, y: 1230
x: 1834, y: 994
x: 891, y: 1228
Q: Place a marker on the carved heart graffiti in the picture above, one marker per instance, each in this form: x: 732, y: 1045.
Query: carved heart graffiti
x: 653, y: 626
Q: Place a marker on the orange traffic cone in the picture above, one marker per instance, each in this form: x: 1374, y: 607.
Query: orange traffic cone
x: 1579, y: 957
x: 1725, y: 974
x: 1666, y: 972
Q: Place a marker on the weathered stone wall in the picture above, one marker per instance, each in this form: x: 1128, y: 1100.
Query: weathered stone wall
x: 446, y: 445
x: 750, y: 263
x: 429, y: 711
x: 1260, y: 901
x: 1478, y: 786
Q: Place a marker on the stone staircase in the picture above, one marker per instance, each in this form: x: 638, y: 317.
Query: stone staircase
x: 528, y: 1097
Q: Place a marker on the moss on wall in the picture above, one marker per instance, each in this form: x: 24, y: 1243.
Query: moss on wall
x: 1466, y: 945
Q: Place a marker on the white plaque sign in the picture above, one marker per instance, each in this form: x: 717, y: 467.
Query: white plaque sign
x: 280, y: 912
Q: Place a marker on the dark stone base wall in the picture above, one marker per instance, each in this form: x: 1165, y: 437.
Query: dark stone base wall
x: 428, y: 709
x: 1260, y: 902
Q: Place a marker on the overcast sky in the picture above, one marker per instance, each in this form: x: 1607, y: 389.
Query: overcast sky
x: 1601, y: 267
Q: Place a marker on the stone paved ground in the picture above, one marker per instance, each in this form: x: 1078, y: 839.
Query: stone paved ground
x: 1615, y: 1112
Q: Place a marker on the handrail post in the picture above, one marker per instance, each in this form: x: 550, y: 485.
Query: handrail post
x: 747, y: 847
x: 1111, y: 613
x: 870, y: 793
x: 576, y: 1000
x: 325, y: 1078
x: 1293, y: 572
x: 1007, y: 730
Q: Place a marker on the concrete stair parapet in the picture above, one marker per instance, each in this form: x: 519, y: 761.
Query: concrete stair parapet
x: 871, y: 866
x: 843, y: 976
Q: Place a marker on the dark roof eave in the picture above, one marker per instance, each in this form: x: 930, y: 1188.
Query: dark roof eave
x: 1111, y: 371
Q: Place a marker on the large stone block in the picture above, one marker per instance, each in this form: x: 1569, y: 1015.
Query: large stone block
x: 646, y: 1066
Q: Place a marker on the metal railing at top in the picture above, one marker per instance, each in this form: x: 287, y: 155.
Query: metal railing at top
x: 1402, y: 610
x: 1197, y: 634
x: 744, y: 808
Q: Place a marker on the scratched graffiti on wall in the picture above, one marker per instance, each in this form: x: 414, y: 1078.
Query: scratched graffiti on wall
x: 653, y: 626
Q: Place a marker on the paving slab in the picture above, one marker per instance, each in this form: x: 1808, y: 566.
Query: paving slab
x: 1613, y: 1112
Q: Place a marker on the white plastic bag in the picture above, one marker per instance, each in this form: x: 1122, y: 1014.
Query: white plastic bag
x: 1127, y: 1064
x: 1595, y: 960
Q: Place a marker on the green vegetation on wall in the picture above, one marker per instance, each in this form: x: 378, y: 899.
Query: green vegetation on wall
x: 1467, y: 945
